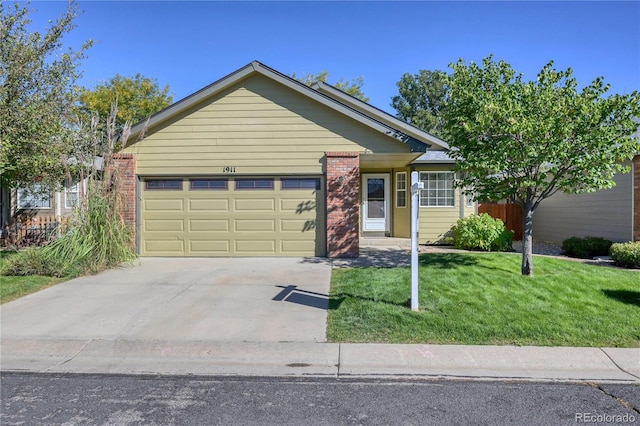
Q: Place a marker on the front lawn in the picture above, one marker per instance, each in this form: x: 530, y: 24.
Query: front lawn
x: 13, y: 287
x: 481, y: 298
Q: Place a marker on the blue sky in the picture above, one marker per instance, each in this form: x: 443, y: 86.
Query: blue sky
x: 189, y: 45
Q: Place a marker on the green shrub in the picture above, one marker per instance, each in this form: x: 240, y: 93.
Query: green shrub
x: 481, y: 232
x: 586, y: 248
x: 626, y: 254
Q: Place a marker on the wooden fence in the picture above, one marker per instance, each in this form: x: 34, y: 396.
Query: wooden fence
x: 510, y: 214
x: 26, y: 231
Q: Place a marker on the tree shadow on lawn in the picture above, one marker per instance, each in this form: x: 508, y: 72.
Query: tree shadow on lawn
x: 624, y: 296
x: 446, y: 260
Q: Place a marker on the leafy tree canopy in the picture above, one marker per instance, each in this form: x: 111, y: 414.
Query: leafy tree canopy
x: 525, y: 140
x: 36, y: 97
x: 421, y: 99
x: 353, y: 87
x: 137, y: 98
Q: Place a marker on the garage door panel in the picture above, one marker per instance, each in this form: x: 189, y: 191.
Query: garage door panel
x: 257, y: 247
x: 253, y: 225
x: 297, y: 226
x: 163, y: 205
x: 298, y: 205
x: 168, y: 247
x: 209, y: 205
x: 209, y: 247
x: 255, y: 205
x: 209, y: 225
x: 167, y: 225
x: 294, y: 246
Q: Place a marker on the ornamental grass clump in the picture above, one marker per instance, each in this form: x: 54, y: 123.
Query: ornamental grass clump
x: 98, y: 238
x: 481, y: 232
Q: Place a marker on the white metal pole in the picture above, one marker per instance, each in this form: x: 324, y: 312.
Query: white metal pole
x: 416, y: 185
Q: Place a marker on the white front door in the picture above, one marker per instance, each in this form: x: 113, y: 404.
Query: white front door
x: 376, y: 202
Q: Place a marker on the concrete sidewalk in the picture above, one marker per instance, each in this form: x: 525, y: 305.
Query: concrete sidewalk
x: 320, y: 360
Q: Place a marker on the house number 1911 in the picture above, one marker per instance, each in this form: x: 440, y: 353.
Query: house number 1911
x: 228, y: 169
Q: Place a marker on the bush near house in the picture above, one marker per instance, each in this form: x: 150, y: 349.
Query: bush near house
x: 626, y: 254
x: 587, y: 247
x: 481, y: 232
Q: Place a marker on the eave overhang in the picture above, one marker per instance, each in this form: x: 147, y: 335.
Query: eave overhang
x: 386, y: 161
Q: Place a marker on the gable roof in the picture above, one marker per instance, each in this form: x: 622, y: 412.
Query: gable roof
x: 418, y: 140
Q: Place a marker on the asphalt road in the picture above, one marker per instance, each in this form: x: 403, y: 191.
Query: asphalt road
x: 55, y: 399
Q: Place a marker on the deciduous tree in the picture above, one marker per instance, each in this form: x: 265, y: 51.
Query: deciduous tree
x: 36, y: 97
x: 137, y: 98
x: 353, y: 87
x: 421, y: 99
x: 525, y: 140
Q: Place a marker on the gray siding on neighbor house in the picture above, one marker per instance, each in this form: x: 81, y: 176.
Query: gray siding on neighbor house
x: 606, y: 213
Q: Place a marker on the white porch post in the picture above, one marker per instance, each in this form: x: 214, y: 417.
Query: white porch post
x: 416, y: 186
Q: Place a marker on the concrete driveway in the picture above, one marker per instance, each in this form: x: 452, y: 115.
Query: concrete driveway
x: 186, y: 299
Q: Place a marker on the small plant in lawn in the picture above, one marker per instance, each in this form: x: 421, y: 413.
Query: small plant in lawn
x: 481, y: 232
x: 586, y: 248
x: 626, y: 254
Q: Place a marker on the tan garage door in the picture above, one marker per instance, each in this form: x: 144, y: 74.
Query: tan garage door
x: 219, y: 216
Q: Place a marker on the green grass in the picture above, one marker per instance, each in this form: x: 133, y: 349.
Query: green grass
x: 13, y: 287
x: 481, y: 298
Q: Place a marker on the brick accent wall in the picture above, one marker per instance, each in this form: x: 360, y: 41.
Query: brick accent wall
x: 124, y: 175
x: 636, y: 198
x: 343, y: 204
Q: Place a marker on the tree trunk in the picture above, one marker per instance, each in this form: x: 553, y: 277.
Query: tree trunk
x: 527, y: 240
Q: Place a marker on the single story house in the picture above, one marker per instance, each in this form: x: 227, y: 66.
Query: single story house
x: 35, y: 204
x: 613, y: 213
x: 259, y: 164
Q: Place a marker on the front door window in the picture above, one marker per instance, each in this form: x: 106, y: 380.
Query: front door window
x: 375, y: 198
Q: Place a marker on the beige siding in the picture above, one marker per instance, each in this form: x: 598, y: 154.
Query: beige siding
x: 607, y: 213
x: 253, y: 121
x: 401, y: 215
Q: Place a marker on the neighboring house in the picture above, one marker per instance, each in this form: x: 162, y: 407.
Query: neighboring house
x: 34, y: 202
x: 258, y: 164
x: 613, y: 213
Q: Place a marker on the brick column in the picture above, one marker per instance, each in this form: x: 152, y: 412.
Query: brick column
x: 124, y: 170
x: 343, y: 204
x: 636, y: 198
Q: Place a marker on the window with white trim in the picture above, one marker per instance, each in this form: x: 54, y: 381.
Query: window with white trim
x: 401, y: 189
x: 34, y: 198
x: 71, y: 195
x: 439, y: 190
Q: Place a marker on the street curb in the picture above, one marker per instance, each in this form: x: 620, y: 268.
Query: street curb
x: 339, y: 360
